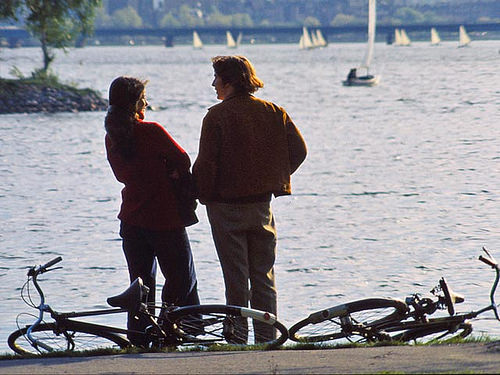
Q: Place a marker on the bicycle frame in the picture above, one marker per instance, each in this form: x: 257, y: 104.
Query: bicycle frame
x: 63, y: 319
x: 158, y: 326
x: 392, y: 326
x: 390, y: 319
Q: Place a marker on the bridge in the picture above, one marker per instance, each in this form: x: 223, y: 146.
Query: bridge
x: 15, y: 36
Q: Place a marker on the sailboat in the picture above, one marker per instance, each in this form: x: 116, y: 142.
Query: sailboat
x: 405, y: 40
x: 197, y: 43
x: 305, y: 40
x: 397, y: 37
x: 320, y: 40
x: 435, y: 39
x: 368, y: 79
x: 463, y: 37
x: 401, y: 38
x: 314, y: 40
x: 231, y: 43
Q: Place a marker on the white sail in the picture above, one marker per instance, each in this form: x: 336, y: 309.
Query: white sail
x: 314, y: 40
x: 372, y: 19
x: 238, y: 39
x: 367, y: 80
x: 197, y: 43
x: 405, y: 40
x: 464, y: 39
x: 397, y: 37
x: 301, y: 42
x: 230, y: 40
x: 306, y: 39
x: 321, y: 40
x: 435, y: 39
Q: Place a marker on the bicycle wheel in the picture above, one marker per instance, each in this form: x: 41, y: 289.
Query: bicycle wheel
x: 355, y: 321
x: 226, y: 324
x: 64, y: 339
x: 435, y: 331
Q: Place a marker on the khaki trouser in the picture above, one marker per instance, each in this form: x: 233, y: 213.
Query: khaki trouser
x: 245, y: 239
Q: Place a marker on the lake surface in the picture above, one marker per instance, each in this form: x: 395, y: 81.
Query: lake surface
x: 401, y: 185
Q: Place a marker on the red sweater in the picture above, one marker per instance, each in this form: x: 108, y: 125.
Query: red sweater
x: 148, y: 200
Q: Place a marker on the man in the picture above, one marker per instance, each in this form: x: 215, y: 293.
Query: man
x: 248, y: 149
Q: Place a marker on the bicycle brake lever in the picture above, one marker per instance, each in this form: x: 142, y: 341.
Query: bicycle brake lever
x: 489, y: 260
x: 489, y: 255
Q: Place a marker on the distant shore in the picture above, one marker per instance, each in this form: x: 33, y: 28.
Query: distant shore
x: 25, y: 96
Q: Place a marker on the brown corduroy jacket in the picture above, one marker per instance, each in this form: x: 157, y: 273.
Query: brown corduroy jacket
x: 248, y: 147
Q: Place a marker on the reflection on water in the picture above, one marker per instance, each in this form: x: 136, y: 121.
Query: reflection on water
x: 400, y: 186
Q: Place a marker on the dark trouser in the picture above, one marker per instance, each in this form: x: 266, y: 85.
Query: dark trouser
x: 171, y: 249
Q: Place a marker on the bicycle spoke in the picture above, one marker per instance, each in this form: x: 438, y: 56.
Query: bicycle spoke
x: 229, y: 325
x: 355, y: 321
x: 64, y: 340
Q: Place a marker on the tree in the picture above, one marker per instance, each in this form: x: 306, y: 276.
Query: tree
x: 55, y: 23
x: 343, y: 19
x: 190, y: 17
x: 102, y: 18
x: 126, y: 17
x: 311, y: 21
x: 169, y: 20
x: 409, y: 15
x: 216, y: 18
x: 242, y: 20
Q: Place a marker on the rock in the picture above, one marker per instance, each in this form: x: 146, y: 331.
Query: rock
x: 24, y: 96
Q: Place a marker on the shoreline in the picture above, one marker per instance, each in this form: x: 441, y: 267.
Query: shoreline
x: 29, y: 96
x: 443, y: 358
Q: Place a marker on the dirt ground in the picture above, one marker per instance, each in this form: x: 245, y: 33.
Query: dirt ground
x: 459, y: 359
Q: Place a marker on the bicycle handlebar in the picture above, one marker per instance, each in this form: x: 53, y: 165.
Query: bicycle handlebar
x: 51, y: 263
x: 488, y: 261
x: 34, y: 271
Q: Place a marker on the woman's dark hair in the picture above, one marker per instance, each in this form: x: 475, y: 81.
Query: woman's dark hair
x: 238, y: 72
x: 124, y: 93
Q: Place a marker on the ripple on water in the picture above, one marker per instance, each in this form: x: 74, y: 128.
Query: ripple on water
x: 400, y: 186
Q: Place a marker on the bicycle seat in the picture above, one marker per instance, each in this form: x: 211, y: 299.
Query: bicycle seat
x: 131, y: 298
x: 450, y: 297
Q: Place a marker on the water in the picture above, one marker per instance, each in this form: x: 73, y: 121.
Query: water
x: 399, y: 189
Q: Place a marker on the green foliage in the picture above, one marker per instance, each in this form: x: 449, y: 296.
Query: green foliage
x: 409, y: 15
x: 126, y: 17
x: 216, y: 18
x: 16, y: 72
x: 311, y: 21
x: 55, y: 23
x: 190, y: 17
x: 8, y: 9
x: 102, y: 19
x: 169, y: 20
x: 343, y: 19
x: 242, y: 19
x: 45, y: 76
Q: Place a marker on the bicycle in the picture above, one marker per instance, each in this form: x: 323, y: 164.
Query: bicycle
x: 201, y: 325
x: 388, y: 319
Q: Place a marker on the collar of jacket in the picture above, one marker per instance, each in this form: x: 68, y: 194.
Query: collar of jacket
x: 231, y: 97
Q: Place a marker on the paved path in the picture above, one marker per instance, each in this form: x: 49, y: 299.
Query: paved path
x: 463, y: 358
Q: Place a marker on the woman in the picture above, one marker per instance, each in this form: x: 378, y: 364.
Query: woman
x: 147, y: 160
